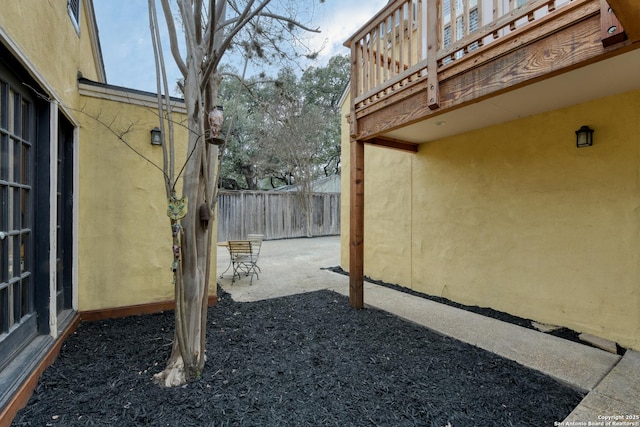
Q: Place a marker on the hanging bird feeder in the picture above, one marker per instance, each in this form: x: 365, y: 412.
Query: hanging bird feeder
x: 216, y: 118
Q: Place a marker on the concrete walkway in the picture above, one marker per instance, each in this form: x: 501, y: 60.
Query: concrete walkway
x: 295, y: 266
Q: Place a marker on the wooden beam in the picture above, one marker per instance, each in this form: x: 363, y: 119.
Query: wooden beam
x: 611, y: 29
x: 516, y: 46
x: 395, y: 144
x: 353, y: 88
x: 134, y: 310
x: 356, y: 225
x: 573, y: 46
x: 433, y: 85
x: 628, y: 13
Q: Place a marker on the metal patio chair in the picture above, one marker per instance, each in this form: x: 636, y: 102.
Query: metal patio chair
x: 256, y: 245
x: 242, y: 260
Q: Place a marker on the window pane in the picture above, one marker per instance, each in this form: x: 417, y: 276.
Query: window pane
x: 3, y: 105
x: 10, y: 161
x: 4, y: 157
x: 446, y: 12
x: 17, y: 163
x: 17, y: 302
x: 26, y: 208
x: 4, y: 310
x: 9, y: 210
x: 26, y: 164
x: 10, y: 115
x: 27, y: 292
x: 17, y: 113
x: 9, y: 242
x: 460, y: 33
x: 25, y: 246
x: 16, y: 256
x: 517, y: 3
x: 447, y: 36
x: 25, y: 120
x: 17, y: 214
x: 473, y: 20
x: 4, y: 258
x: 74, y: 11
x: 4, y: 227
x: 4, y: 208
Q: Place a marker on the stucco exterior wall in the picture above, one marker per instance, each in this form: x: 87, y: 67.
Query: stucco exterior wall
x: 124, y: 233
x: 124, y: 248
x: 31, y: 24
x: 345, y: 184
x: 387, y: 225
x: 516, y: 218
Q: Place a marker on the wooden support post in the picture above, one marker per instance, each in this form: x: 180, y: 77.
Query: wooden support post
x: 356, y: 226
x: 433, y: 86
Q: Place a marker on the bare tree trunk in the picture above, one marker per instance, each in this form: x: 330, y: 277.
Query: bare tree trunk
x: 192, y: 288
x: 206, y: 41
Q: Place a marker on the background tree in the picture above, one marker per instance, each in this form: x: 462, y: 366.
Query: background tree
x: 286, y: 119
x: 210, y: 29
x: 324, y: 87
x: 239, y: 168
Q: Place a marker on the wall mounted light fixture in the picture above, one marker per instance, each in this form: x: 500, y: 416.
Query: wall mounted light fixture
x: 584, y: 137
x: 156, y: 136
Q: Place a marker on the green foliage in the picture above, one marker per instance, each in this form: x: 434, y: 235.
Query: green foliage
x: 285, y: 129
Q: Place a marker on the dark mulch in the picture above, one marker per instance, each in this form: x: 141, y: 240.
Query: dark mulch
x: 304, y: 360
x: 561, y: 332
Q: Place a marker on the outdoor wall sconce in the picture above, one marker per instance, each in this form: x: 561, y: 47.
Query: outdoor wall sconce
x: 156, y: 136
x: 584, y: 137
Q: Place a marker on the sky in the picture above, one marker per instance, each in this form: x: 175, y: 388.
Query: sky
x: 127, y: 52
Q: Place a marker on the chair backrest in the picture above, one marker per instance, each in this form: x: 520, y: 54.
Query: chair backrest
x: 256, y: 242
x: 239, y: 247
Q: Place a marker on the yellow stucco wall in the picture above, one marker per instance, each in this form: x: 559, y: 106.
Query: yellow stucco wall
x: 516, y: 218
x: 345, y: 183
x: 388, y: 224
x: 124, y: 241
x: 124, y: 237
x: 45, y: 34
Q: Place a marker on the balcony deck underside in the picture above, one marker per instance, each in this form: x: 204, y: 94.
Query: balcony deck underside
x: 553, y: 66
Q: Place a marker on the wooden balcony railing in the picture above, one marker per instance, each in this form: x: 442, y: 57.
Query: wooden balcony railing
x: 413, y: 44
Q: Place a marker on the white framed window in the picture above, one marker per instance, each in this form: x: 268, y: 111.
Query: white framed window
x: 514, y: 4
x: 73, y: 7
x: 459, y: 18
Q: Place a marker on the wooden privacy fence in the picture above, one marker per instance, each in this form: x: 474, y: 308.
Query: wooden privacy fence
x: 277, y: 215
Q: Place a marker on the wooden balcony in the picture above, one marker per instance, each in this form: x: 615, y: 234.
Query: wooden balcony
x: 426, y: 69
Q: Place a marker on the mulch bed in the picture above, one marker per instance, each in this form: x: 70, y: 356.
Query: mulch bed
x: 304, y: 360
x: 560, y: 332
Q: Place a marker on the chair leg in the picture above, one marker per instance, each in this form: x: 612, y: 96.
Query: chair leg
x: 226, y: 269
x: 236, y: 271
x: 253, y: 272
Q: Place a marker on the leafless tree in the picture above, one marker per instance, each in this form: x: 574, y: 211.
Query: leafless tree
x: 210, y: 29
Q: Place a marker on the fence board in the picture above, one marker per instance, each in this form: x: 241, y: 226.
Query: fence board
x: 277, y: 215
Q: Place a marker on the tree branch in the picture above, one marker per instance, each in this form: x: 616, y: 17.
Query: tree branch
x: 292, y: 22
x: 189, y: 29
x: 197, y: 15
x: 246, y: 16
x: 173, y: 39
